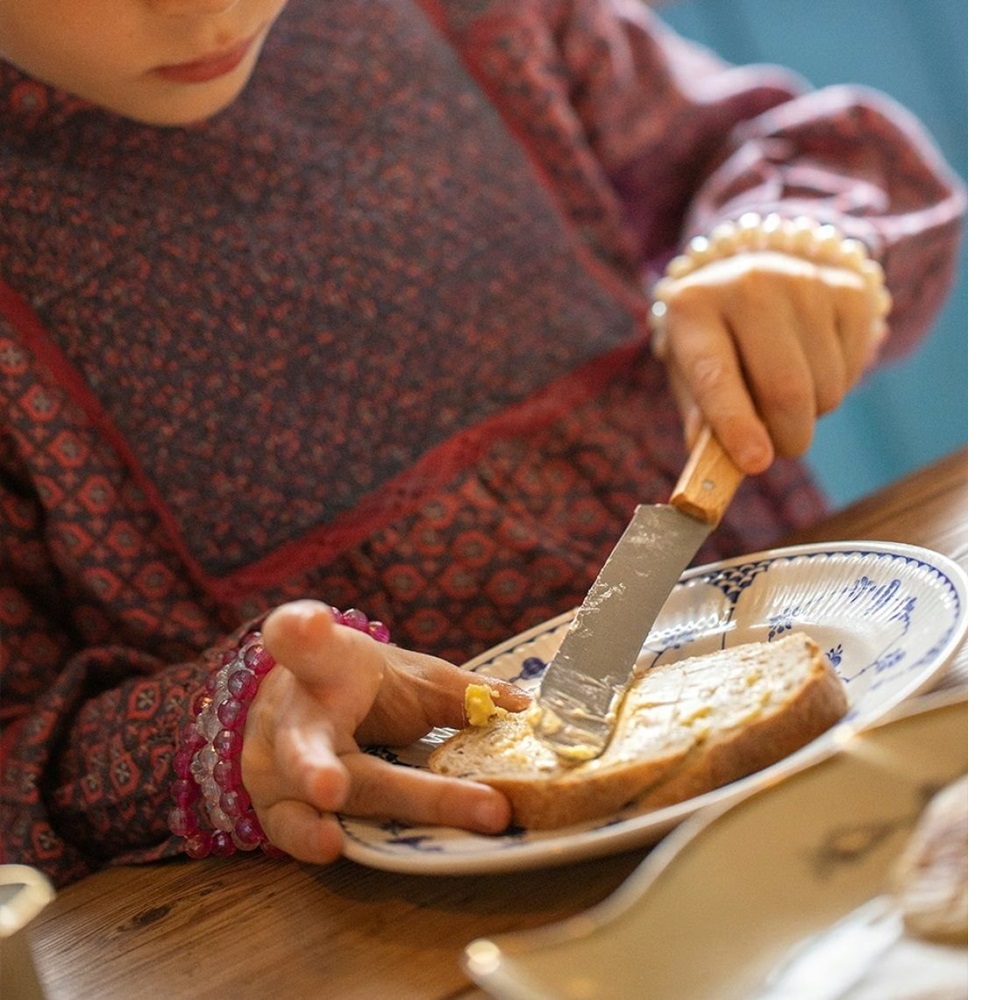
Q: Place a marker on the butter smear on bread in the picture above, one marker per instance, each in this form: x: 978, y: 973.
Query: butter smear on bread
x: 682, y: 729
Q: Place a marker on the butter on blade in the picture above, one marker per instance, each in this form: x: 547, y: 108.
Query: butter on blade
x: 582, y: 686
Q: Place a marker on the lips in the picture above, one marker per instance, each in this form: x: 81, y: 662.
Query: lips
x: 210, y: 67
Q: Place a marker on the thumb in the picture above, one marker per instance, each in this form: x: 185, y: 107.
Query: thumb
x: 332, y: 661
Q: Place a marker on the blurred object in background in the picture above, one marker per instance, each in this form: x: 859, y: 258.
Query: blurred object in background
x: 24, y: 893
x: 916, y: 410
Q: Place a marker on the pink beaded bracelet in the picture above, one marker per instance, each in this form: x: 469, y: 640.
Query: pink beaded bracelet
x: 212, y: 810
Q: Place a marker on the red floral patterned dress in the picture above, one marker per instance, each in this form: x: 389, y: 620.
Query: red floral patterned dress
x: 373, y: 334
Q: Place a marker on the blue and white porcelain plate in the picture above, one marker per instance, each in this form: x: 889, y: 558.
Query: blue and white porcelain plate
x: 888, y: 616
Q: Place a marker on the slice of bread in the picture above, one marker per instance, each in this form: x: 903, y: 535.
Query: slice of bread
x: 682, y: 729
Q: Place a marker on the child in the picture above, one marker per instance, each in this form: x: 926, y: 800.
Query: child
x: 348, y: 304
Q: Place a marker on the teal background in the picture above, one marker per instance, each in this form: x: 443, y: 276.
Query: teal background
x: 916, y: 410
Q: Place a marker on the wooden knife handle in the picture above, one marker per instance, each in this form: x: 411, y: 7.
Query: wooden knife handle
x: 708, y: 482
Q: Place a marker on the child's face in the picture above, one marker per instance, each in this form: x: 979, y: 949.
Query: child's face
x: 166, y: 62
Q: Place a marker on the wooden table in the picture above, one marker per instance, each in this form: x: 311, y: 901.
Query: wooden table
x: 247, y: 927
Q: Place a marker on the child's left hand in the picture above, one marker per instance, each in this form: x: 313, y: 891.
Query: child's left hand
x: 333, y: 691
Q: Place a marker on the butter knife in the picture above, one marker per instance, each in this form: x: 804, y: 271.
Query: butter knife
x: 582, y: 686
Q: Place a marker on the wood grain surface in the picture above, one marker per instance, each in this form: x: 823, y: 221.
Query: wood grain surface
x: 247, y: 927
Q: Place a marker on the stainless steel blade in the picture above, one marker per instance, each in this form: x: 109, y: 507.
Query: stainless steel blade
x: 594, y: 663
x: 581, y: 688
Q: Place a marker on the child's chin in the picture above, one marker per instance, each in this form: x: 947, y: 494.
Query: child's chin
x: 177, y: 106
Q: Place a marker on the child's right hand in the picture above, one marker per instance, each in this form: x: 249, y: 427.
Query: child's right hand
x: 760, y: 345
x: 333, y: 691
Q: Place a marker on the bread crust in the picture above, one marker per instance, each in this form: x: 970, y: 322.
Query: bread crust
x: 683, y: 729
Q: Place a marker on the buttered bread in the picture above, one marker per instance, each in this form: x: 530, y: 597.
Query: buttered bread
x: 682, y: 729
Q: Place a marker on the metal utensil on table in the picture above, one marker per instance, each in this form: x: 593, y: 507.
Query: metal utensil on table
x: 590, y: 670
x: 828, y: 965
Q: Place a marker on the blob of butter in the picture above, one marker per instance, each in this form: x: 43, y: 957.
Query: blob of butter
x: 479, y: 705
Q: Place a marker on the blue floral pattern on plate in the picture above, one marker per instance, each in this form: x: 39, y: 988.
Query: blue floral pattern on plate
x: 889, y: 617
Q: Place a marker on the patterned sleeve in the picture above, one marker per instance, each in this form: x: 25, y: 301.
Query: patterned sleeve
x: 90, y: 711
x: 75, y: 798
x: 847, y: 154
x: 684, y: 140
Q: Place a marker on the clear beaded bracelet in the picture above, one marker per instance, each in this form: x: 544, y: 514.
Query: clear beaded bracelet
x: 212, y: 810
x: 821, y: 243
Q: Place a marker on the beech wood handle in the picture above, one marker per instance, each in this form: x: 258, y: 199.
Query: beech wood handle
x: 708, y: 482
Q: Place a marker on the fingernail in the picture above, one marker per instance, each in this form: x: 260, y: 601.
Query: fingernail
x: 756, y: 457
x: 491, y: 813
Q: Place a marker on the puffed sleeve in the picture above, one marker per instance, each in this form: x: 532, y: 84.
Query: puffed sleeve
x: 688, y: 140
x: 89, y: 732
x: 649, y: 139
x: 90, y: 713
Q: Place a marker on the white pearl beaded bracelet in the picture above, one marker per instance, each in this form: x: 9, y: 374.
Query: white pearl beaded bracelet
x: 820, y: 243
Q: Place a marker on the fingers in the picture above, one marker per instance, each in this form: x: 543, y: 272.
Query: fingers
x: 302, y: 831
x: 706, y: 372
x: 505, y: 694
x: 340, y: 666
x: 760, y: 345
x: 381, y: 789
x: 441, y: 687
x: 306, y: 766
x: 290, y: 749
x: 291, y: 771
x: 416, y: 796
x: 859, y: 334
x: 780, y: 361
x: 419, y: 692
x: 332, y: 690
x: 299, y: 635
